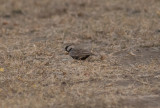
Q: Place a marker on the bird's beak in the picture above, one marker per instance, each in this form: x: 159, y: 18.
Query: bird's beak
x: 66, y: 53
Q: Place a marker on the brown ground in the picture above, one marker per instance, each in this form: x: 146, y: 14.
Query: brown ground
x: 38, y: 74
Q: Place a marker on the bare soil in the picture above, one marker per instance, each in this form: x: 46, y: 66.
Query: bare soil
x: 125, y: 35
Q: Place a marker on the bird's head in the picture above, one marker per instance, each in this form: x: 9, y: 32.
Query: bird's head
x: 68, y: 48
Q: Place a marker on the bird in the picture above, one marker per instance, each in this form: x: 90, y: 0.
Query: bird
x: 78, y: 53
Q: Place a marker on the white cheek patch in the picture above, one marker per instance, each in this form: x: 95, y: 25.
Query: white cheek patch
x: 69, y: 48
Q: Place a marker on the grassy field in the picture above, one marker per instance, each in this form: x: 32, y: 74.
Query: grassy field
x: 35, y: 71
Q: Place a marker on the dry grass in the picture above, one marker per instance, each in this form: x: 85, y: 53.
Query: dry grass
x: 38, y: 74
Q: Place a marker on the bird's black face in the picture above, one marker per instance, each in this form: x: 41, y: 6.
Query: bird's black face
x: 68, y: 48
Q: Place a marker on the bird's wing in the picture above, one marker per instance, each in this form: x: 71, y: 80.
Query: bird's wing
x: 80, y: 52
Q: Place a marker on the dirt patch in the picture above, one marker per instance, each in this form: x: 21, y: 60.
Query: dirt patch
x: 140, y: 55
x: 141, y: 101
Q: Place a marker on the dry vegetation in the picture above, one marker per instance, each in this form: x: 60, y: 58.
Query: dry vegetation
x: 38, y: 74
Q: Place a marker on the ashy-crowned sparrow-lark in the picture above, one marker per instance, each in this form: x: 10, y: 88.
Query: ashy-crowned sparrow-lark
x: 78, y: 53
